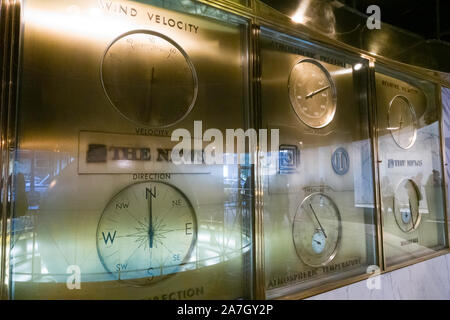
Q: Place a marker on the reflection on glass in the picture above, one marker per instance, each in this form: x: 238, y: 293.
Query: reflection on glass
x: 445, y: 96
x: 409, y: 168
x: 319, y: 206
x: 100, y: 210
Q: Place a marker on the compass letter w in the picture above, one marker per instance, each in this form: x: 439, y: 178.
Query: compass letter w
x: 109, y: 237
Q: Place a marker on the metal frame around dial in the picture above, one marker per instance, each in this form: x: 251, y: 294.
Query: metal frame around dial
x: 413, y: 114
x: 179, y: 48
x: 332, y: 87
x: 338, y: 243
x: 419, y: 197
x: 144, y: 282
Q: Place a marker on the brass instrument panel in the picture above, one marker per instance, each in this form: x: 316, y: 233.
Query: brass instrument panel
x: 319, y: 212
x: 412, y: 197
x: 101, y: 211
x: 110, y: 214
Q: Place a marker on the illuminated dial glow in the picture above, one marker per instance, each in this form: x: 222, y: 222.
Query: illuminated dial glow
x: 317, y: 230
x: 318, y: 242
x: 149, y: 78
x: 312, y: 93
x: 147, y: 230
x: 406, y: 206
x: 402, y: 122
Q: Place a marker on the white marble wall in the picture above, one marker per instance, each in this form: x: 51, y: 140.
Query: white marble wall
x: 426, y: 280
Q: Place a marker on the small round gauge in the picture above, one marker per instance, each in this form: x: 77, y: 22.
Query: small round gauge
x: 402, y: 122
x: 406, y: 205
x: 149, y: 78
x: 316, y: 230
x: 312, y: 93
x: 148, y: 230
x: 318, y: 242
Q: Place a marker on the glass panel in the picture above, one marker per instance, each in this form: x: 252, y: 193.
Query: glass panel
x: 101, y: 208
x: 410, y: 167
x: 319, y: 195
x: 445, y: 95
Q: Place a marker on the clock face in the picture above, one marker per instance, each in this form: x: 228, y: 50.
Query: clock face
x: 317, y: 230
x: 312, y: 93
x: 149, y: 78
x: 402, y: 122
x: 406, y: 206
x: 147, y: 230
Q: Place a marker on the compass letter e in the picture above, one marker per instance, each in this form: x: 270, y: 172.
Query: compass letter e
x: 74, y: 280
x: 374, y: 280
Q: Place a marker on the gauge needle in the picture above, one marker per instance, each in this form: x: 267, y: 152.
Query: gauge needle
x: 150, y: 218
x: 411, y: 212
x: 317, y: 242
x: 148, y: 109
x: 321, y: 228
x: 316, y: 92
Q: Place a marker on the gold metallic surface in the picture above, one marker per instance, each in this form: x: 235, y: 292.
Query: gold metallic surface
x: 53, y: 118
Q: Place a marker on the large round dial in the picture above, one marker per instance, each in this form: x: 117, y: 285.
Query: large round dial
x: 147, y: 230
x: 312, y: 93
x: 402, y: 122
x: 149, y: 78
x: 406, y: 205
x: 317, y: 230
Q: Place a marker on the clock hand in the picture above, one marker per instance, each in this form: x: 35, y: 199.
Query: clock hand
x: 321, y: 228
x: 317, y: 242
x: 148, y: 107
x: 316, y: 92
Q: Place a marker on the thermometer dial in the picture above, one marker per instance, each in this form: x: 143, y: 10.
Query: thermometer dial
x: 317, y: 230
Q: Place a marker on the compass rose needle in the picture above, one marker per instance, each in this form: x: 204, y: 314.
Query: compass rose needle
x: 150, y: 222
x: 310, y: 95
x: 320, y: 225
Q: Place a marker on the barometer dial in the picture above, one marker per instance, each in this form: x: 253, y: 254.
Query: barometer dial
x: 406, y: 206
x: 149, y: 78
x: 402, y: 122
x: 317, y: 230
x: 312, y: 93
x: 147, y: 230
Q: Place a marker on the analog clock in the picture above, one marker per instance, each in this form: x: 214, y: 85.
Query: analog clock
x: 312, y: 93
x: 402, y: 122
x: 317, y: 230
x: 149, y: 78
x: 406, y: 205
x: 147, y: 230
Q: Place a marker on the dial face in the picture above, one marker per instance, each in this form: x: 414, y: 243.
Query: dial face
x: 312, y: 93
x: 317, y: 230
x: 406, y: 206
x: 149, y: 78
x: 147, y: 230
x: 402, y: 122
x: 318, y: 242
